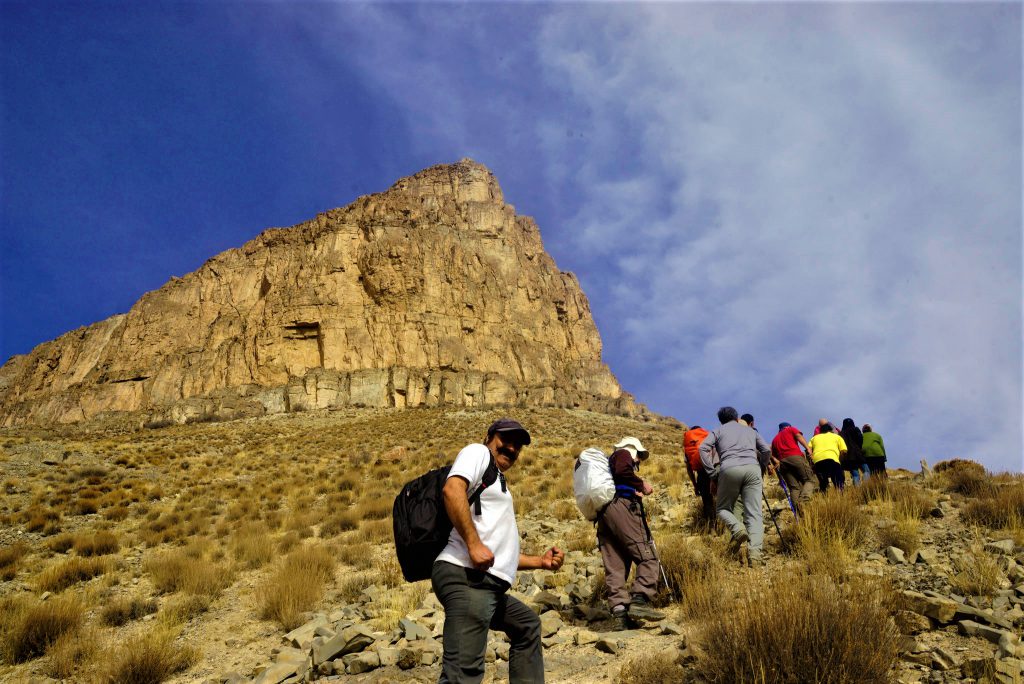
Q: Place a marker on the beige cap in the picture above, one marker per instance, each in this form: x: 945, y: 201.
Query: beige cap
x: 633, y: 444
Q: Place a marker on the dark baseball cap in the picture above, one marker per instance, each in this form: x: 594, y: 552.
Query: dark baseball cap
x: 508, y: 425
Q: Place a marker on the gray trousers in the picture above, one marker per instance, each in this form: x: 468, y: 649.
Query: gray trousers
x: 473, y: 603
x: 742, y: 483
x: 623, y: 541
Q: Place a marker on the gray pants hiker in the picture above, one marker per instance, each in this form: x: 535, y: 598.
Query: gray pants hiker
x: 623, y: 541
x: 799, y: 477
x: 742, y: 483
x: 473, y: 603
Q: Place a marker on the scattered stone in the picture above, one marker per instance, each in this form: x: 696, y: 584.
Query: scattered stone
x: 590, y: 613
x: 1003, y: 547
x: 278, y: 672
x: 943, y: 660
x: 909, y: 622
x: 302, y: 636
x: 358, y: 663
x: 927, y: 556
x: 408, y: 658
x: 895, y: 555
x: 939, y: 609
x: 972, y: 628
x: 412, y: 630
x: 585, y: 636
x: 501, y: 650
x: 388, y: 655
x: 550, y: 623
x: 609, y: 645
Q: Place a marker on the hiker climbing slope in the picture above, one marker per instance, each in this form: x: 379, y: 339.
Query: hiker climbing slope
x: 473, y: 574
x: 624, y: 539
x: 743, y: 454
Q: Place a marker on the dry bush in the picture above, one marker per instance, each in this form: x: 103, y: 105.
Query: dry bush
x: 696, y: 574
x: 183, y: 609
x: 352, y: 584
x: 376, y: 531
x: 10, y: 558
x: 976, y: 573
x: 71, y: 571
x: 61, y: 543
x: 152, y: 656
x: 29, y: 628
x: 374, y: 508
x: 964, y: 477
x: 800, y: 628
x: 1003, y: 509
x: 831, y: 528
x: 339, y: 522
x: 359, y: 555
x: 565, y: 510
x: 581, y: 537
x: 914, y: 500
x: 296, y: 586
x: 99, y: 544
x: 657, y: 667
x: 904, y: 532
x: 189, y: 571
x: 123, y: 610
x: 288, y: 541
x: 393, y: 605
x: 72, y: 652
x: 249, y: 545
x: 116, y: 513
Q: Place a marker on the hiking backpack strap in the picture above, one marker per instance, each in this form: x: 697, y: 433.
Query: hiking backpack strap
x: 490, y: 475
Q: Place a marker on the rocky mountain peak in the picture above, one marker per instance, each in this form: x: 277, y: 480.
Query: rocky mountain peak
x: 434, y: 292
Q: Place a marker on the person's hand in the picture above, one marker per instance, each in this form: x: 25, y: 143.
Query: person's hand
x: 647, y: 487
x: 481, y: 556
x: 552, y: 559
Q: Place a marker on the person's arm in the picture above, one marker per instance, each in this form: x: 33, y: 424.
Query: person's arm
x: 622, y: 470
x: 456, y: 503
x: 551, y: 560
x: 842, y: 446
x: 803, y: 442
x: 707, y: 448
x: 693, y: 478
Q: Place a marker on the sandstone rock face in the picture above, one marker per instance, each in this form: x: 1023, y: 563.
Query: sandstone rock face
x: 433, y: 292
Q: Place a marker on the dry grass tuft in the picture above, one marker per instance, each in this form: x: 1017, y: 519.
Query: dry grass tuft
x: 976, y: 573
x: 28, y: 629
x: 1002, y: 508
x: 964, y: 477
x: 10, y: 558
x: 149, y: 657
x: 657, y: 667
x: 799, y: 628
x: 72, y: 653
x: 696, y: 574
x: 99, y: 544
x: 830, y: 530
x: 904, y: 532
x: 188, y: 570
x: 249, y: 545
x: 913, y: 500
x: 71, y: 571
x: 296, y: 586
x: 123, y: 610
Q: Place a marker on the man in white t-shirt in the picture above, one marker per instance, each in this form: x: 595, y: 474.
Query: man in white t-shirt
x: 473, y: 574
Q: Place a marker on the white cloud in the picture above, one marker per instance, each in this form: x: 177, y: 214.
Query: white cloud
x: 807, y: 209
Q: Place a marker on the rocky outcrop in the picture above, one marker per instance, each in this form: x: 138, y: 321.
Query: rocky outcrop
x: 434, y: 292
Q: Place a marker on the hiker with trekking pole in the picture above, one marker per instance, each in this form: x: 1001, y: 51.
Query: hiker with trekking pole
x: 742, y: 455
x: 794, y: 467
x: 625, y: 539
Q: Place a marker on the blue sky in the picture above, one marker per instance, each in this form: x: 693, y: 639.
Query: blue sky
x: 798, y: 209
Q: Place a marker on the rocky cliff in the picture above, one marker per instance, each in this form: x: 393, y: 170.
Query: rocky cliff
x: 432, y: 293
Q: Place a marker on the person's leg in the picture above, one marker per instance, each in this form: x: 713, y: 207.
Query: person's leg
x: 613, y: 553
x: 837, y: 473
x: 824, y: 475
x: 469, y: 601
x: 855, y: 475
x: 808, y: 480
x: 707, y: 501
x: 525, y: 654
x: 865, y: 471
x: 729, y: 482
x: 753, y: 518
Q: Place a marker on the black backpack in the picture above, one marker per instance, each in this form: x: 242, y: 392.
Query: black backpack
x: 421, y: 523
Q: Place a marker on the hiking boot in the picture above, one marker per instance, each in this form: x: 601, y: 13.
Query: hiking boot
x: 640, y: 609
x: 623, y: 622
x: 756, y: 561
x: 739, y: 540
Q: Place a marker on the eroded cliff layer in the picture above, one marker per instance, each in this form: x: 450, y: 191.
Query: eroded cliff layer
x: 433, y: 292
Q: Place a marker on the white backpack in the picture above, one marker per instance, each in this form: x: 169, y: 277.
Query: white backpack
x: 592, y: 482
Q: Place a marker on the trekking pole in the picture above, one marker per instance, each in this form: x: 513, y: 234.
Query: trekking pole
x: 789, y: 498
x: 654, y: 547
x: 785, y: 546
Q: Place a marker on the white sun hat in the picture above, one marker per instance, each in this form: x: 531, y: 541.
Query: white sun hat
x: 634, y: 445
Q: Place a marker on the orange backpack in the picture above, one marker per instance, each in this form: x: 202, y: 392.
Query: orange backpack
x: 691, y: 446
